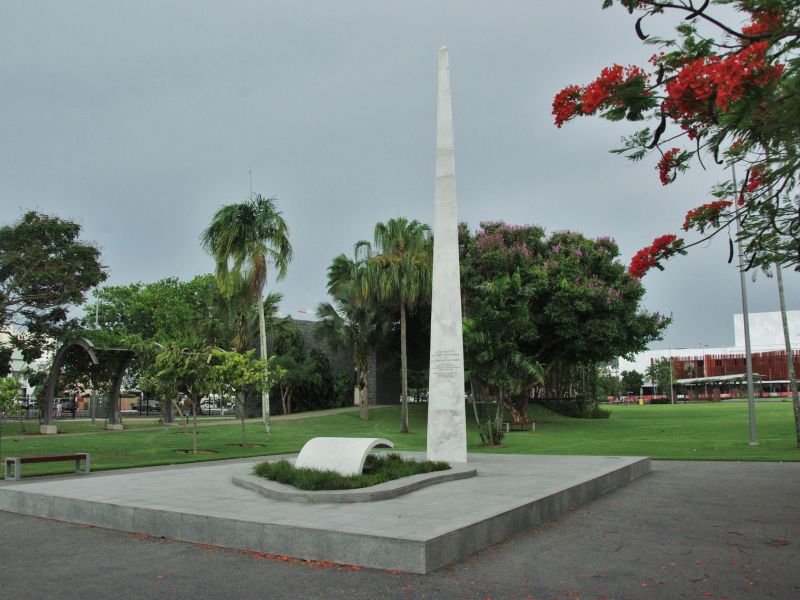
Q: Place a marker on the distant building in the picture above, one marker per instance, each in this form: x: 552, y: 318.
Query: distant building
x: 724, y: 368
x: 19, y: 367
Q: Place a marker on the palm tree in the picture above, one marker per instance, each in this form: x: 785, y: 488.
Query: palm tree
x: 399, y: 274
x: 350, y: 321
x: 244, y: 239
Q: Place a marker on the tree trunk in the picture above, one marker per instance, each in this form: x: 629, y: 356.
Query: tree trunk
x: 241, y: 399
x: 194, y: 429
x: 284, y: 393
x: 789, y: 357
x: 262, y: 338
x: 403, y: 372
x: 166, y: 411
x: 363, y: 392
x: 472, y: 399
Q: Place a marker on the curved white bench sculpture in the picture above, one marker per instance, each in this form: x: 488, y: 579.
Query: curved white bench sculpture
x: 346, y: 456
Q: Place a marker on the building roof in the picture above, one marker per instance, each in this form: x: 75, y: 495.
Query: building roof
x: 717, y: 379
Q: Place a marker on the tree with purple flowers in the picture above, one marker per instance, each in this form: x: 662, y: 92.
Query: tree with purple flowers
x: 565, y: 305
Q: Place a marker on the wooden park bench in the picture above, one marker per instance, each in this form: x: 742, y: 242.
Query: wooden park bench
x: 519, y: 426
x: 18, y: 461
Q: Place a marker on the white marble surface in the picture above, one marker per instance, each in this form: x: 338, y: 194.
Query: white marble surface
x: 346, y: 456
x: 447, y: 430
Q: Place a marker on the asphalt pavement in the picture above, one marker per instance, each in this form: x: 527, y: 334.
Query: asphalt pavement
x: 721, y: 530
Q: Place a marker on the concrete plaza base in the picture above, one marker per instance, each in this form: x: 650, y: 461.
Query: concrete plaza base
x: 418, y: 532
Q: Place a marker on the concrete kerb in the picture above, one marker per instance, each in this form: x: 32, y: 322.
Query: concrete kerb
x: 382, y: 491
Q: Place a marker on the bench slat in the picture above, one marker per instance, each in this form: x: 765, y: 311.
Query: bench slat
x: 53, y: 458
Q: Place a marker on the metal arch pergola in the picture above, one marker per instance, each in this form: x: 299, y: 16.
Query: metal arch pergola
x: 125, y: 357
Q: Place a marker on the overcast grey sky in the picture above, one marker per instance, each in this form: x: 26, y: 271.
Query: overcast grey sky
x: 140, y: 119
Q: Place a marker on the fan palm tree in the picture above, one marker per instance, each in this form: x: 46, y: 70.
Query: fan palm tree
x: 244, y: 239
x: 350, y: 321
x: 399, y: 274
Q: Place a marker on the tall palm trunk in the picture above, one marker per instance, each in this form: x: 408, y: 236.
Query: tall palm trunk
x: 363, y: 392
x: 789, y: 357
x: 262, y: 338
x: 403, y: 371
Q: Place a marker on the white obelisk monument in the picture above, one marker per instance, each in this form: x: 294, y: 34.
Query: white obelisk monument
x: 447, y: 427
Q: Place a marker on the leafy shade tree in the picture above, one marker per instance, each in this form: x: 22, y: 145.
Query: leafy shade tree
x: 244, y: 239
x: 727, y: 90
x: 187, y: 371
x: 571, y: 302
x: 9, y: 388
x: 44, y: 268
x: 496, y: 340
x: 166, y: 388
x: 307, y: 379
x: 168, y: 312
x: 233, y: 374
x: 350, y: 321
x: 631, y: 382
x: 608, y: 384
x: 398, y: 275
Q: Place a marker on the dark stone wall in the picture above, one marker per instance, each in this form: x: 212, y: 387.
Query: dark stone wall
x: 388, y: 384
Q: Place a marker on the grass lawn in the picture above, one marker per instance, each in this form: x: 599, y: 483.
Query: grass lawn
x: 75, y: 425
x: 679, y: 432
x: 662, y: 431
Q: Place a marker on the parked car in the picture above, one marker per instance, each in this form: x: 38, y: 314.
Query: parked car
x: 151, y: 405
x: 210, y: 408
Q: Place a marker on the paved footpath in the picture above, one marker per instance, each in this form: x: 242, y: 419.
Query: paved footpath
x: 687, y: 530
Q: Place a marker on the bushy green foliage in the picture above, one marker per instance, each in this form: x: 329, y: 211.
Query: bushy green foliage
x: 44, y: 268
x: 342, y: 389
x: 9, y: 387
x: 543, y: 310
x: 631, y: 382
x: 377, y: 469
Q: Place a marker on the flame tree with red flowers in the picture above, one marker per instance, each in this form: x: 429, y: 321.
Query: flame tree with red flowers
x: 730, y: 100
x: 717, y: 93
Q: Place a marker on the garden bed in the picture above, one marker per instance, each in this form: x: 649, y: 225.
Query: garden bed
x: 378, y: 468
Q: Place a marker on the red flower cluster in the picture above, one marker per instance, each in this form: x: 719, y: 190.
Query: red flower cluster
x: 666, y: 166
x: 763, y: 23
x: 723, y: 79
x: 755, y: 180
x: 565, y: 104
x: 648, y: 257
x: 574, y: 100
x: 708, y: 213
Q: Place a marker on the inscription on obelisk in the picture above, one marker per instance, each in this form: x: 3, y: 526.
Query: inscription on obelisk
x: 447, y: 428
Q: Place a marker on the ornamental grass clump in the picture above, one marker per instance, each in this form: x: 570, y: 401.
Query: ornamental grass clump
x: 377, y: 469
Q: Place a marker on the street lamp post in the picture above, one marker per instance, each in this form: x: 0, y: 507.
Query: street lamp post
x: 671, y: 390
x: 751, y: 403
